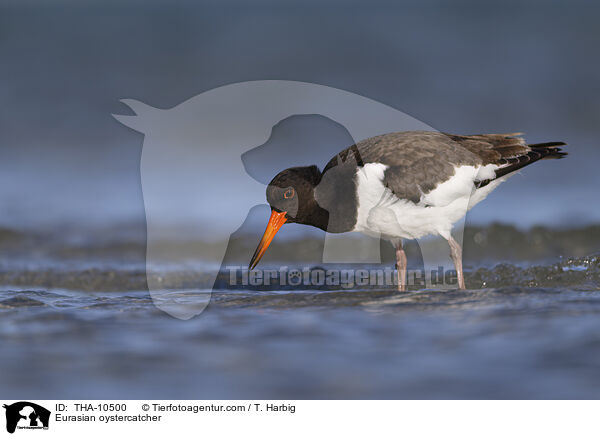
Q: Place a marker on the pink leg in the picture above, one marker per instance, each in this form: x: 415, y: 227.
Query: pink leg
x: 456, y: 253
x: 401, y: 264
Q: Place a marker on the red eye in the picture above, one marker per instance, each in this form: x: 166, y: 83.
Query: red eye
x: 289, y: 193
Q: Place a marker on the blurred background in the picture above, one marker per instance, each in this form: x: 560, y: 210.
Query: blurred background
x: 462, y: 67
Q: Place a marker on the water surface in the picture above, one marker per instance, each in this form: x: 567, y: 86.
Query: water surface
x: 81, y: 326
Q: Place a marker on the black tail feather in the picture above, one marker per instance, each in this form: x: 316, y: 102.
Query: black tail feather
x: 546, y: 150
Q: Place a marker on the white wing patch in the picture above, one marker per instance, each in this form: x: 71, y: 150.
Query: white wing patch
x: 460, y: 185
x: 380, y: 212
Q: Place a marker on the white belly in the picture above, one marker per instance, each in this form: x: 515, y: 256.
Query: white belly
x: 381, y: 213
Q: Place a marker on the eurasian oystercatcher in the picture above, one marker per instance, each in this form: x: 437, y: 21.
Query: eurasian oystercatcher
x: 402, y: 185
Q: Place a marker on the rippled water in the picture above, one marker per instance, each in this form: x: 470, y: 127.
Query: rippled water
x: 85, y: 327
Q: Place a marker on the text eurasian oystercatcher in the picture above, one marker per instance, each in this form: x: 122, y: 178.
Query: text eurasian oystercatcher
x: 400, y: 185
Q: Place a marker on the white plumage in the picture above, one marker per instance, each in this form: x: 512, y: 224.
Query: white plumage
x: 381, y: 213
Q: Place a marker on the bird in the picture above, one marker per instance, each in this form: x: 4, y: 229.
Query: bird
x: 400, y: 185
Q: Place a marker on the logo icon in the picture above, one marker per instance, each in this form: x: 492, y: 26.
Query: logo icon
x: 26, y: 415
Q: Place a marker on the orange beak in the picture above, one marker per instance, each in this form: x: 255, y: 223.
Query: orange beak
x: 275, y: 222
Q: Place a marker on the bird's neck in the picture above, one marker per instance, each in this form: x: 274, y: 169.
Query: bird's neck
x: 316, y: 216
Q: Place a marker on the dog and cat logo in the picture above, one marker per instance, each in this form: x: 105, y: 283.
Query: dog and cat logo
x: 26, y: 415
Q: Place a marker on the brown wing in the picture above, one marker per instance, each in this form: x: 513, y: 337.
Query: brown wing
x: 418, y: 161
x: 508, y: 150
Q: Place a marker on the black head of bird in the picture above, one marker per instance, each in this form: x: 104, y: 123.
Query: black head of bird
x: 291, y: 195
